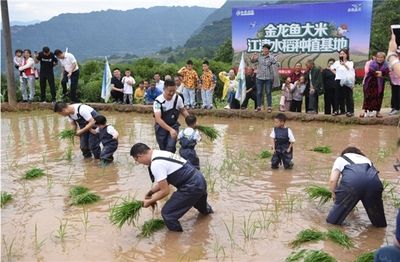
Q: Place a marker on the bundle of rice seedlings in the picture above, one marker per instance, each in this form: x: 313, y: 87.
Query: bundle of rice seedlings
x: 151, y: 226
x: 5, y: 198
x: 323, y: 149
x: 81, y: 196
x: 319, y: 192
x: 77, y: 190
x: 210, y: 132
x: 84, y: 199
x: 307, y: 235
x: 67, y: 134
x: 34, y: 173
x: 365, y: 257
x: 310, y: 256
x: 265, y: 154
x: 337, y: 236
x: 318, y: 256
x: 125, y: 212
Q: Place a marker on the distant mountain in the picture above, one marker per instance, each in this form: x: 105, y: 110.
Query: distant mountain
x: 137, y: 31
x: 24, y: 22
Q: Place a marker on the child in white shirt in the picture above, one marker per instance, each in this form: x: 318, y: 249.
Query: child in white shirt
x: 188, y: 139
x: 108, y: 137
x: 128, y: 82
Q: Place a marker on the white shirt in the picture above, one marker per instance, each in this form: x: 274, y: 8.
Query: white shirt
x: 341, y: 71
x: 179, y: 89
x: 290, y: 134
x: 167, y: 105
x: 163, y: 168
x: 68, y: 62
x: 128, y: 88
x: 340, y: 162
x: 160, y: 85
x: 110, y: 129
x: 190, y: 132
x: 85, y: 111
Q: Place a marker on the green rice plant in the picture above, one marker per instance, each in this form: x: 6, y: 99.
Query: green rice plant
x: 310, y: 256
x: 84, y: 199
x: 365, y: 257
x: 210, y: 132
x: 38, y: 244
x: 230, y: 231
x: 69, y: 153
x: 249, y: 227
x: 34, y: 173
x: 50, y: 182
x: 307, y: 235
x: 151, y: 226
x: 218, y: 248
x: 265, y: 154
x: 62, y: 229
x: 125, y: 212
x: 9, y: 248
x: 264, y: 220
x: 5, y: 198
x: 67, y: 134
x: 319, y: 192
x: 337, y: 236
x: 78, y: 190
x: 85, y: 219
x: 323, y: 149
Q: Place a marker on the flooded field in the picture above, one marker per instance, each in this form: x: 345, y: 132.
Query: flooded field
x: 258, y: 212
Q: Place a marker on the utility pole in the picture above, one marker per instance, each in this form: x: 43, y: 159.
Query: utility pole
x: 12, y: 96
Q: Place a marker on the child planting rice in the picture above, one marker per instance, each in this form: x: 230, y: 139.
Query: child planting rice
x: 188, y: 139
x: 282, y: 143
x: 108, y: 137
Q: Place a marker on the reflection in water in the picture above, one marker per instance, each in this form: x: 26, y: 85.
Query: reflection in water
x: 243, y: 184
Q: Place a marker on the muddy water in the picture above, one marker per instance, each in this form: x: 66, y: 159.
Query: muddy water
x: 243, y: 191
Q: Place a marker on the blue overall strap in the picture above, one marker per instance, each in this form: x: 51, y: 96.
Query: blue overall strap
x: 166, y: 159
x: 160, y: 105
x: 348, y: 160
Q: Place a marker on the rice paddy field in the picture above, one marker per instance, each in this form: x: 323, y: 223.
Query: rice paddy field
x: 260, y: 214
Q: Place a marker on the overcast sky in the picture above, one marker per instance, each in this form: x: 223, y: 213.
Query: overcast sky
x: 42, y: 10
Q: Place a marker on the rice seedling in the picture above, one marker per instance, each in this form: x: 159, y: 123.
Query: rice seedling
x: 69, y: 153
x: 265, y: 154
x: 337, y: 236
x: 34, y: 173
x: 230, y: 231
x: 38, y: 244
x: 264, y: 220
x: 50, y: 182
x: 319, y: 192
x: 307, y: 235
x: 85, y: 219
x: 78, y: 190
x: 249, y: 227
x: 67, y: 134
x: 5, y: 198
x: 310, y: 256
x: 151, y: 226
x: 323, y: 149
x: 125, y: 212
x: 208, y: 131
x: 365, y: 257
x: 9, y: 248
x: 84, y: 199
x: 62, y: 229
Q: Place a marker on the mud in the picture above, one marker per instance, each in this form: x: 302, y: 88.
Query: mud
x: 240, y: 186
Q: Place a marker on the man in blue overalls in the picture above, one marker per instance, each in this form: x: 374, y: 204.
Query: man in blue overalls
x: 167, y: 168
x: 83, y: 116
x: 360, y: 181
x: 167, y: 108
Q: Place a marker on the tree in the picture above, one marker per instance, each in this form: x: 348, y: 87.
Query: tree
x: 225, y: 52
x: 385, y: 13
x: 12, y: 96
